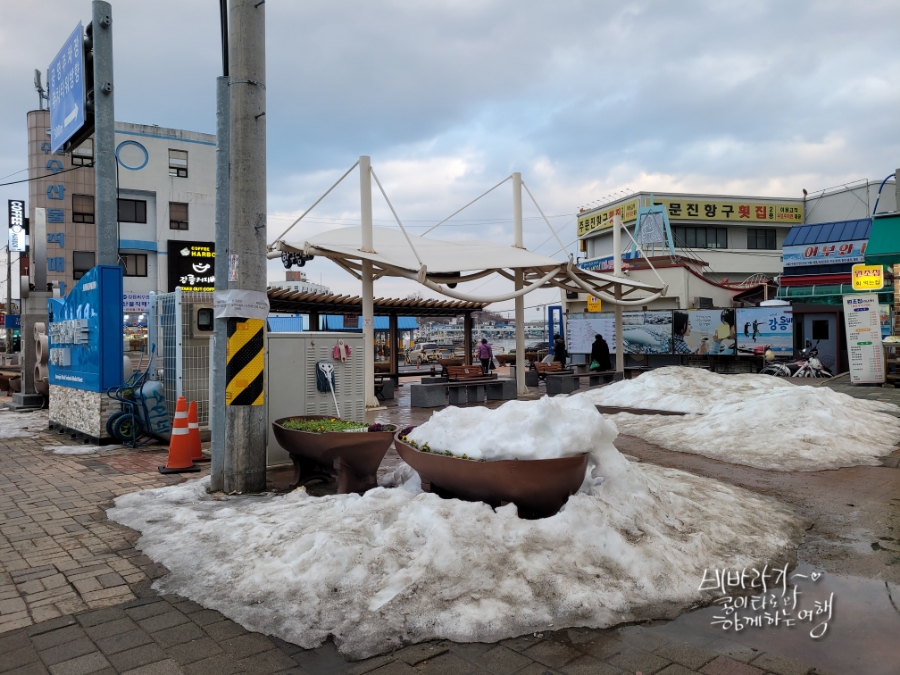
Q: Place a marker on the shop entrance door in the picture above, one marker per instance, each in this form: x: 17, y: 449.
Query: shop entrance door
x: 822, y: 327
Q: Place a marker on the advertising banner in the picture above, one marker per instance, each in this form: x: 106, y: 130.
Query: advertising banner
x: 867, y: 277
x: 17, y: 226
x: 704, y: 332
x: 759, y: 328
x: 642, y: 332
x: 885, y: 317
x: 600, y: 220
x: 862, y: 322
x: 825, y: 254
x: 136, y: 303
x: 85, y: 332
x: 738, y: 210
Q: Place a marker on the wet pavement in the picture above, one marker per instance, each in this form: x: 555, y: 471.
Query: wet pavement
x: 76, y: 594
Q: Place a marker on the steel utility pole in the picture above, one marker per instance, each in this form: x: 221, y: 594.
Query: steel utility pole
x: 223, y: 192
x: 245, y: 265
x: 9, y: 334
x: 617, y: 271
x: 519, y: 242
x: 104, y: 135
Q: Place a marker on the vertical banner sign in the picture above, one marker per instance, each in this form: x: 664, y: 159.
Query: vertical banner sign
x: 863, y: 325
x: 244, y: 362
x: 16, y: 226
x: 66, y: 93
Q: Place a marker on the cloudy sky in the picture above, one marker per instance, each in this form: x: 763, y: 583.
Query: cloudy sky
x: 585, y: 97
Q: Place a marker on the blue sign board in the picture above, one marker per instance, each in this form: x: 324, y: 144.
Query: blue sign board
x: 67, y: 90
x: 85, y: 333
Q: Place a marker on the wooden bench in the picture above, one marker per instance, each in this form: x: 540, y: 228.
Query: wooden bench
x: 457, y: 373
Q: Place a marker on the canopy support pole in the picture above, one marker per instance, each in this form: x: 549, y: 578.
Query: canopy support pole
x: 393, y: 348
x: 467, y: 337
x: 518, y: 242
x: 368, y: 282
x: 617, y: 272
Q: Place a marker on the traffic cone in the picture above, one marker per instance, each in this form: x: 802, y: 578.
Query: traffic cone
x: 194, y: 434
x: 179, y: 447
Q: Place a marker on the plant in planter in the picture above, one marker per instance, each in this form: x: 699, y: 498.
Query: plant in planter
x: 538, y: 487
x: 324, y: 447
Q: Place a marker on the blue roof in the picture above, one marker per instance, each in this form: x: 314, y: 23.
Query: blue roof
x: 333, y: 322
x: 823, y: 233
x: 286, y: 324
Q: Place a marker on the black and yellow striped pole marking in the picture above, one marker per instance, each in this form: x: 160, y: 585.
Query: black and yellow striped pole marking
x: 244, y: 369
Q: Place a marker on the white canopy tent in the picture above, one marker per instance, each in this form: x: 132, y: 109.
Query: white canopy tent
x: 369, y: 253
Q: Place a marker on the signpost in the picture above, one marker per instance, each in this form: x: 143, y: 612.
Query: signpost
x: 67, y: 90
x: 863, y: 324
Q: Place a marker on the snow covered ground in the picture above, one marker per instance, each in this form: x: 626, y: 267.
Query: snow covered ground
x: 83, y: 449
x: 20, y: 425
x: 400, y: 566
x: 757, y: 420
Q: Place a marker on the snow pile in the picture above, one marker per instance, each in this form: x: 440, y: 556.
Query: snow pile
x: 19, y: 425
x: 562, y: 426
x: 395, y: 566
x: 756, y: 420
x: 692, y: 390
x: 80, y: 449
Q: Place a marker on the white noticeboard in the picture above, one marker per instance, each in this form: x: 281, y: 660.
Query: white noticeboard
x: 863, y: 324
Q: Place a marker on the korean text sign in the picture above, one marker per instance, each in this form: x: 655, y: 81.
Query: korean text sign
x: 862, y: 321
x: 66, y: 90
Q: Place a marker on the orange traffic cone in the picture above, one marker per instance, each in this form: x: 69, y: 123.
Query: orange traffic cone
x: 194, y: 434
x: 179, y: 447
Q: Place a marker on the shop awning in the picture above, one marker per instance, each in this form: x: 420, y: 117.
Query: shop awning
x: 884, y: 241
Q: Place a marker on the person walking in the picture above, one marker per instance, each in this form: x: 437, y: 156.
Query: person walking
x: 600, y: 354
x: 485, y: 354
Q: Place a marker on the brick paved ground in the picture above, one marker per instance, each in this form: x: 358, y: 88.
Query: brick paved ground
x: 76, y: 598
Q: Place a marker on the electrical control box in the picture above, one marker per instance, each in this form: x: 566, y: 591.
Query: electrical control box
x: 291, y: 360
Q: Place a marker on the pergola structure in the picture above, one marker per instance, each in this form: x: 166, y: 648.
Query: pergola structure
x: 319, y: 304
x: 369, y: 253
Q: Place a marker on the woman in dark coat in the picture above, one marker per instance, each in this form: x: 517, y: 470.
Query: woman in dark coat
x: 600, y: 353
x: 559, y: 350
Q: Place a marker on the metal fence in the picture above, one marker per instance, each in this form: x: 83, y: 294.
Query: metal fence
x: 180, y: 333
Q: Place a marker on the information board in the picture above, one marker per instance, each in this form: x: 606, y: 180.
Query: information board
x: 66, y: 90
x: 862, y: 322
x: 642, y: 332
x: 704, y: 332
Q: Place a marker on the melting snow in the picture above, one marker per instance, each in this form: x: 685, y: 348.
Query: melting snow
x: 80, y: 449
x: 17, y: 425
x: 398, y: 566
x: 757, y: 420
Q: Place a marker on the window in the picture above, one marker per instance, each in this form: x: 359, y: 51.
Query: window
x: 178, y: 163
x: 700, y: 237
x: 83, y: 155
x: 135, y: 264
x: 763, y: 237
x: 178, y: 216
x: 132, y: 211
x: 82, y: 209
x: 82, y: 261
x: 820, y: 329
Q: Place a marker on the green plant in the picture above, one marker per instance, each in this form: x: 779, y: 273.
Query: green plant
x: 323, y: 425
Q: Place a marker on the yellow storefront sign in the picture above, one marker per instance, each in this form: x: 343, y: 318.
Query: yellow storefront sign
x: 868, y: 277
x: 600, y: 220
x: 593, y: 304
x: 737, y: 211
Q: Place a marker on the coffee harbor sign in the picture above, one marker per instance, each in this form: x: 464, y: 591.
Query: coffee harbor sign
x: 192, y: 266
x: 17, y: 226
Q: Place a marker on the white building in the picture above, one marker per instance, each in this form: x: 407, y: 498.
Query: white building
x: 298, y: 282
x: 166, y: 183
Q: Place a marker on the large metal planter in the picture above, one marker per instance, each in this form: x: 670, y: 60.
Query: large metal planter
x: 538, y: 487
x: 353, y: 456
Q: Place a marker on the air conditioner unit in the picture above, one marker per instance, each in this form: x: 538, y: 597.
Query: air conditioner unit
x: 699, y: 302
